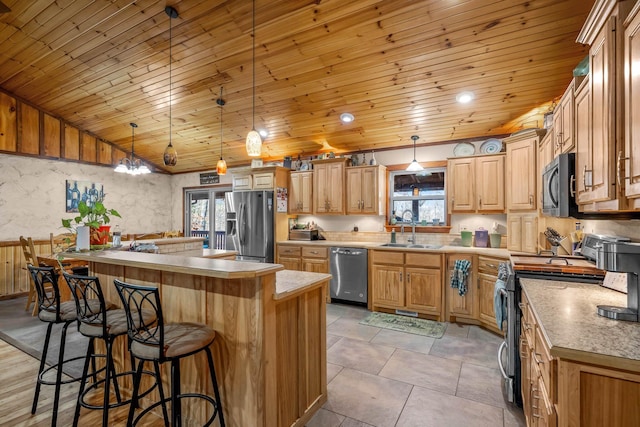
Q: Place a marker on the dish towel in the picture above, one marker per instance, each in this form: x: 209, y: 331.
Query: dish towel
x: 459, y: 275
x: 499, y: 300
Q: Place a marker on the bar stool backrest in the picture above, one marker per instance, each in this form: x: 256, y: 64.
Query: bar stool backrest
x: 137, y: 299
x: 87, y: 293
x: 48, y: 299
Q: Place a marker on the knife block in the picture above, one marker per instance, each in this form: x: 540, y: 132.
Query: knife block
x: 565, y: 247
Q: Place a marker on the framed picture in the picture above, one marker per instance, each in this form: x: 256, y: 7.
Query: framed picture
x: 89, y: 192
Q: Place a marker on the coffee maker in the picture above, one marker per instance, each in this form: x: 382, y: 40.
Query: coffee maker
x: 622, y: 257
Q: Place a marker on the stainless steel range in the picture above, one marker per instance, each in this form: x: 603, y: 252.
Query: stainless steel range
x: 572, y: 269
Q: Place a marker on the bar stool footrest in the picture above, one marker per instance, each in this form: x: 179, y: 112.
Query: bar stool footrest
x: 41, y: 379
x: 97, y: 384
x: 182, y: 396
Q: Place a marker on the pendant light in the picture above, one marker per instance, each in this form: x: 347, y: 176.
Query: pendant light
x: 414, y: 166
x: 254, y: 141
x: 170, y: 154
x: 221, y: 166
x: 130, y: 165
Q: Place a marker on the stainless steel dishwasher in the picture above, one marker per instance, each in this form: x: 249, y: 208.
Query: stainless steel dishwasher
x: 348, y: 267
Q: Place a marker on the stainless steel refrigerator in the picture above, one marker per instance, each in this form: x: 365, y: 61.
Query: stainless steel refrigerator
x: 250, y: 224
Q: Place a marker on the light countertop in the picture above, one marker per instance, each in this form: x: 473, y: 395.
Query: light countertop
x: 225, y: 269
x: 573, y: 329
x: 497, y: 252
x: 164, y: 241
x: 291, y: 282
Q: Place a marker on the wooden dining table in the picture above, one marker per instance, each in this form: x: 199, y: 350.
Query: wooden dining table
x: 68, y: 264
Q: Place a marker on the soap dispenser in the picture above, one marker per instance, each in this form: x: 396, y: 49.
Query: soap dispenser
x: 393, y: 235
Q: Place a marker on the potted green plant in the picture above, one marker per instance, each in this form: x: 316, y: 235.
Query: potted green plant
x: 91, y: 224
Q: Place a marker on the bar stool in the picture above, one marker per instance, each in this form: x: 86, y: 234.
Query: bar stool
x: 165, y: 343
x: 99, y: 319
x: 52, y: 311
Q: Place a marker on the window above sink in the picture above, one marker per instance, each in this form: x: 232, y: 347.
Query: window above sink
x: 418, y: 196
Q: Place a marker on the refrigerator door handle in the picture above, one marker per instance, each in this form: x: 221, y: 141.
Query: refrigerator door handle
x: 242, y: 223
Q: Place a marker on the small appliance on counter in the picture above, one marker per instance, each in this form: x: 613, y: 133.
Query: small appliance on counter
x: 622, y: 257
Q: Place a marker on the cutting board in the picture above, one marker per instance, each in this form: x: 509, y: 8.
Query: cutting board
x: 539, y: 263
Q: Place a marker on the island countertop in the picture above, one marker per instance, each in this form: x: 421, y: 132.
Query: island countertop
x: 292, y: 282
x: 568, y: 316
x: 224, y: 269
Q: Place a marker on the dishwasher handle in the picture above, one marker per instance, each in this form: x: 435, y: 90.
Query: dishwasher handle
x: 351, y: 252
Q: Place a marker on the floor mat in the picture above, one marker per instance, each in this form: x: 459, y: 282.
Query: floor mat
x: 411, y: 325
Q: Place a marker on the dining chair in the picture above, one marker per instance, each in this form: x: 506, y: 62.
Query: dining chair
x: 30, y: 257
x: 61, y: 242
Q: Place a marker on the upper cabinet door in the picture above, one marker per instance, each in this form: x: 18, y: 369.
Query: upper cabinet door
x: 521, y: 173
x: 490, y: 183
x: 630, y: 167
x: 462, y: 197
x: 599, y: 179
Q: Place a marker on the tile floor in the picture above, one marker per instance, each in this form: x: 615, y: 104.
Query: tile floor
x: 383, y: 378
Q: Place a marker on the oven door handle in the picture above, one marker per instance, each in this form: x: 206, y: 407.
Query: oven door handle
x: 501, y: 349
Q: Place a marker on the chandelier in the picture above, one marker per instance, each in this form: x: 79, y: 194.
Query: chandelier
x: 130, y: 165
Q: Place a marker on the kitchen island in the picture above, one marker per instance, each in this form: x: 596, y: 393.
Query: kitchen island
x: 582, y: 365
x: 270, y: 348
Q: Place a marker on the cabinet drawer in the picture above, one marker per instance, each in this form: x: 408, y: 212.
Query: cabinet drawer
x: 314, y: 252
x: 489, y: 265
x: 423, y: 260
x: 542, y: 358
x: 289, y: 251
x: 386, y: 257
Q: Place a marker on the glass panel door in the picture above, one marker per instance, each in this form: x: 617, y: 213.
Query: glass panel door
x: 204, y: 213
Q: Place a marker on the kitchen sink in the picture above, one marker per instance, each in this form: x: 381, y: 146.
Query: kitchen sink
x: 410, y: 246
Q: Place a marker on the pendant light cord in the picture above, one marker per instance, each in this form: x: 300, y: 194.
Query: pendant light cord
x: 253, y: 62
x: 221, y: 105
x: 170, y: 80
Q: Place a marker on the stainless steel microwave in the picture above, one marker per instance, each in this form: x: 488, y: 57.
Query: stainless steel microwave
x: 558, y: 187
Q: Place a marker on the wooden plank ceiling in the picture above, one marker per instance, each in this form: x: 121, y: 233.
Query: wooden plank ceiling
x: 397, y: 65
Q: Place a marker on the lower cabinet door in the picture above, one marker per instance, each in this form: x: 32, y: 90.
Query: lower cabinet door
x: 486, y: 312
x: 424, y: 290
x: 387, y: 286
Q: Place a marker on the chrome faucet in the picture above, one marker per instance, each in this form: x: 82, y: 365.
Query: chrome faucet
x: 413, y: 233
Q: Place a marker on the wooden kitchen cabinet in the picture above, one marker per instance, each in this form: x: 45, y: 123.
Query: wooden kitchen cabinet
x: 522, y: 233
x: 476, y: 184
x: 596, y: 166
x: 563, y: 123
x: 487, y: 276
x: 631, y: 163
x: 410, y: 281
x: 594, y: 395
x: 465, y: 306
x: 328, y: 186
x: 312, y: 258
x: 315, y: 259
x: 545, y: 156
x: 300, y: 192
x: 538, y: 372
x: 290, y: 257
x: 521, y: 170
x: 583, y: 136
x: 365, y: 189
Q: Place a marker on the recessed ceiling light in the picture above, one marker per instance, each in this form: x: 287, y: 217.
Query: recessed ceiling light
x: 347, y: 117
x: 464, y: 97
x: 263, y: 133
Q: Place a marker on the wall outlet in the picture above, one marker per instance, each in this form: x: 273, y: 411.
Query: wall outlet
x: 463, y: 227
